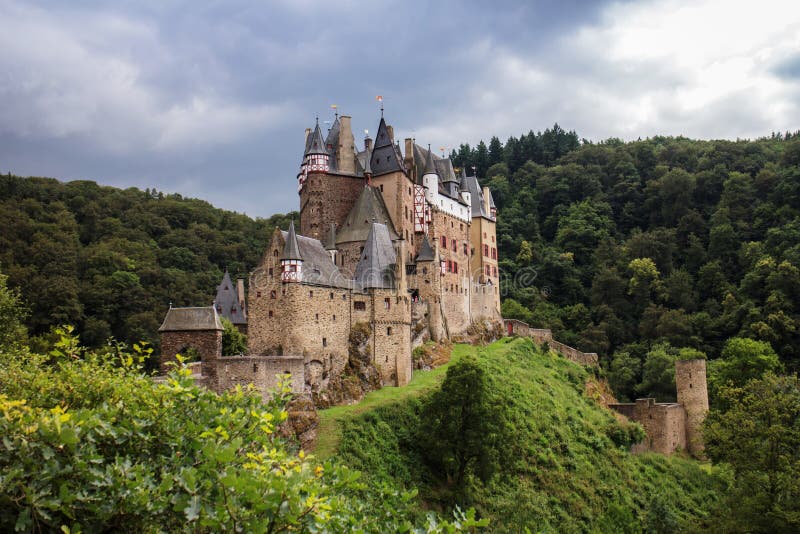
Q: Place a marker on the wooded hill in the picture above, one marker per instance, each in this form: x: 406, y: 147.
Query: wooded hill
x: 626, y: 248
x: 620, y: 248
x: 110, y: 261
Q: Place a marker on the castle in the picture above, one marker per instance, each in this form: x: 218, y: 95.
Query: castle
x: 392, y: 244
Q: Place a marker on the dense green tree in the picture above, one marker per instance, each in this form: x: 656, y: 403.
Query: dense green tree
x: 758, y: 434
x: 463, y: 432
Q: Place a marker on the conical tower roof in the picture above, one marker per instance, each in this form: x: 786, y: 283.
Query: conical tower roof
x: 464, y: 185
x: 292, y: 250
x: 426, y: 251
x: 375, y: 269
x: 386, y: 156
x: 227, y: 301
x: 369, y: 208
x: 316, y: 145
x: 430, y: 168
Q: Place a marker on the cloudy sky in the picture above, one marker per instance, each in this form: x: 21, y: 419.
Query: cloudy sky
x: 210, y: 99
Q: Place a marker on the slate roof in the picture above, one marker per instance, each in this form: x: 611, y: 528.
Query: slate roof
x: 376, y: 267
x: 368, y: 208
x: 180, y: 319
x: 426, y: 251
x: 478, y: 209
x: 315, y: 144
x: 291, y: 251
x: 332, y: 143
x: 386, y: 155
x: 318, y: 268
x: 227, y: 301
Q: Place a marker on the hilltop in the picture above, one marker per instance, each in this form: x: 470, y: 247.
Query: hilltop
x: 563, y: 465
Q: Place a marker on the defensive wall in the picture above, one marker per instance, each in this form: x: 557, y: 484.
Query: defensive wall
x: 515, y: 327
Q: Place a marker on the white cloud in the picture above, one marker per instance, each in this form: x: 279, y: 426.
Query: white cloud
x: 704, y: 69
x: 95, y: 76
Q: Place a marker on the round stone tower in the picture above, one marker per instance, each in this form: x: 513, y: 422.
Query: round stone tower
x: 690, y: 381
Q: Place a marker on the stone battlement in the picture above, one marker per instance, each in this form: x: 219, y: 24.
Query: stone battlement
x: 515, y: 327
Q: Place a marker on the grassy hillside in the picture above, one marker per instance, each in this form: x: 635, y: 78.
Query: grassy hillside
x: 561, y: 469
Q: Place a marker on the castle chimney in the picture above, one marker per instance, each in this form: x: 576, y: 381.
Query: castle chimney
x: 240, y: 294
x: 408, y: 160
x: 345, y: 152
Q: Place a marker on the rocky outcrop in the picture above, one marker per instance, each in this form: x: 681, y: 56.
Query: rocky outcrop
x: 302, y: 423
x: 360, y: 376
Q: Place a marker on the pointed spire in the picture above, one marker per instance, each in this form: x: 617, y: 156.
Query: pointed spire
x: 426, y: 250
x: 330, y: 242
x: 430, y: 168
x: 464, y: 185
x: 292, y: 250
x: 316, y: 144
x: 383, y: 138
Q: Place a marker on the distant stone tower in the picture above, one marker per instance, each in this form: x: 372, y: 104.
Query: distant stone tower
x: 690, y: 380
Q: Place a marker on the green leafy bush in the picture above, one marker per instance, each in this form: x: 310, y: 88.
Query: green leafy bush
x: 91, y: 444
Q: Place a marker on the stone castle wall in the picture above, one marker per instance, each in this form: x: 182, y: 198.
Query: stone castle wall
x: 483, y: 299
x: 208, y: 343
x: 664, y: 424
x: 514, y: 327
x: 326, y: 199
x: 261, y: 371
x: 391, y: 336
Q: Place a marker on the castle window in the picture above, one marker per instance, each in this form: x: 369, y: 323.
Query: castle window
x: 324, y: 342
x: 270, y: 314
x: 387, y: 304
x: 359, y: 305
x: 388, y: 330
x: 273, y: 294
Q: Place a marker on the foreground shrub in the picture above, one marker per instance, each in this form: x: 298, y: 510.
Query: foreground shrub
x: 90, y: 444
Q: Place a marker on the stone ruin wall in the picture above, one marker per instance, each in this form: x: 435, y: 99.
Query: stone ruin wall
x: 208, y: 344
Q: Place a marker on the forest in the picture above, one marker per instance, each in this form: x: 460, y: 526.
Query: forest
x: 111, y: 261
x: 642, y: 249
x: 645, y: 252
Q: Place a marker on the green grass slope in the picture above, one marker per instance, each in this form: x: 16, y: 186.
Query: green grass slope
x: 561, y: 470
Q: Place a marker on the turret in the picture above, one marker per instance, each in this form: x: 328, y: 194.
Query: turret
x: 690, y: 382
x: 430, y: 177
x: 291, y: 260
x: 466, y: 196
x: 316, y: 157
